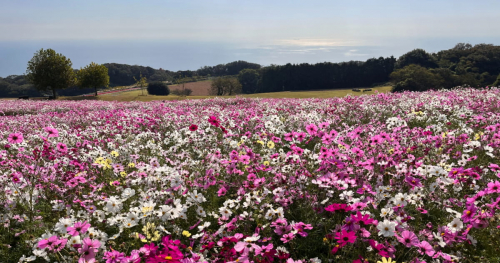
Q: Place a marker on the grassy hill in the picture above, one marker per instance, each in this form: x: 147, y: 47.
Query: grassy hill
x: 135, y: 95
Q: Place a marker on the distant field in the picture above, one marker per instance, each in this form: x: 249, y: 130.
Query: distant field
x: 199, y: 88
x: 135, y: 95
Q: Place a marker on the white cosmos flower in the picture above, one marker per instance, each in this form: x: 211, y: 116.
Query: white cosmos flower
x: 386, y: 212
x: 205, y: 225
x: 386, y: 228
x: 195, y: 197
x: 200, y: 211
x: 113, y: 205
x: 74, y: 241
x: 225, y: 211
x: 456, y: 225
x: 128, y: 223
x: 63, y: 224
x: 133, y: 217
x: 127, y: 193
x: 400, y: 199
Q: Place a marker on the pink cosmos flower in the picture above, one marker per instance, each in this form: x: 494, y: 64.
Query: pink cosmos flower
x: 345, y: 237
x: 494, y: 187
x: 300, y: 227
x: 311, y: 129
x: 426, y: 248
x: 408, y: 238
x: 89, y: 243
x: 469, y: 213
x: 335, y: 207
x: 51, y: 131
x: 113, y: 256
x: 245, y: 247
x: 214, y: 121
x: 287, y: 237
x: 59, y: 244
x: 16, y: 180
x: 47, y: 242
x: 15, y: 138
x: 222, y: 191
x: 62, y: 147
x: 79, y: 227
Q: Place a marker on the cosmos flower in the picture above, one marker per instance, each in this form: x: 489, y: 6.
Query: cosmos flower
x: 408, y: 238
x: 386, y: 228
x: 78, y: 228
x: 15, y: 138
x: 51, y: 132
x: 345, y: 237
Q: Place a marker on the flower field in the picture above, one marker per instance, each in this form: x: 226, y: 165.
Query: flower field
x: 407, y: 177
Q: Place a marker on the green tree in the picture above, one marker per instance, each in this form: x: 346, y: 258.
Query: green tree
x: 217, y: 87
x: 158, y: 88
x: 225, y: 86
x: 141, y: 82
x: 249, y: 79
x: 415, y: 78
x: 48, y: 70
x: 417, y: 56
x: 93, y: 76
x: 497, y: 82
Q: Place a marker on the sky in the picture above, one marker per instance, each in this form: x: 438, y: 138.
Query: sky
x: 189, y: 34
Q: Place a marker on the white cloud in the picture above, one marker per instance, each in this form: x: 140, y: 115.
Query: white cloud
x: 353, y: 53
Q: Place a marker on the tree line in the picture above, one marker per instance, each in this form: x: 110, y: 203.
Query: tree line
x: 417, y: 70
x: 463, y: 65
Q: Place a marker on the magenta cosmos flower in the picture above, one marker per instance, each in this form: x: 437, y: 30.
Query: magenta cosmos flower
x: 15, y: 138
x: 345, y: 237
x: 408, y: 238
x: 214, y: 121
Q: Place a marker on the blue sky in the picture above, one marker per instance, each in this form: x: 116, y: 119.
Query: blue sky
x: 189, y: 34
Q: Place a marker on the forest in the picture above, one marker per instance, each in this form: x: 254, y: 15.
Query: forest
x: 417, y: 70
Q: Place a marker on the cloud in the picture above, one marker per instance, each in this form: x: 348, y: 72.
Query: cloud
x: 315, y: 42
x: 306, y: 45
x: 352, y: 53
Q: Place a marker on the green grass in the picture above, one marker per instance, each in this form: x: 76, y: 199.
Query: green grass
x: 136, y: 95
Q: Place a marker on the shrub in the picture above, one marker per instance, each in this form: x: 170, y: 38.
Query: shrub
x: 182, y: 92
x: 158, y: 88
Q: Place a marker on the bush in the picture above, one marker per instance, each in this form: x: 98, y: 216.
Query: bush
x: 158, y: 88
x: 182, y: 92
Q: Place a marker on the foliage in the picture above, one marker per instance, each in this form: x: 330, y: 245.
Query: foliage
x: 415, y: 78
x: 249, y: 79
x: 497, y: 82
x: 93, y: 76
x: 125, y: 75
x: 182, y: 92
x: 232, y: 68
x: 158, y: 88
x: 142, y: 82
x: 325, y: 75
x: 417, y: 56
x: 48, y: 70
x: 225, y: 86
